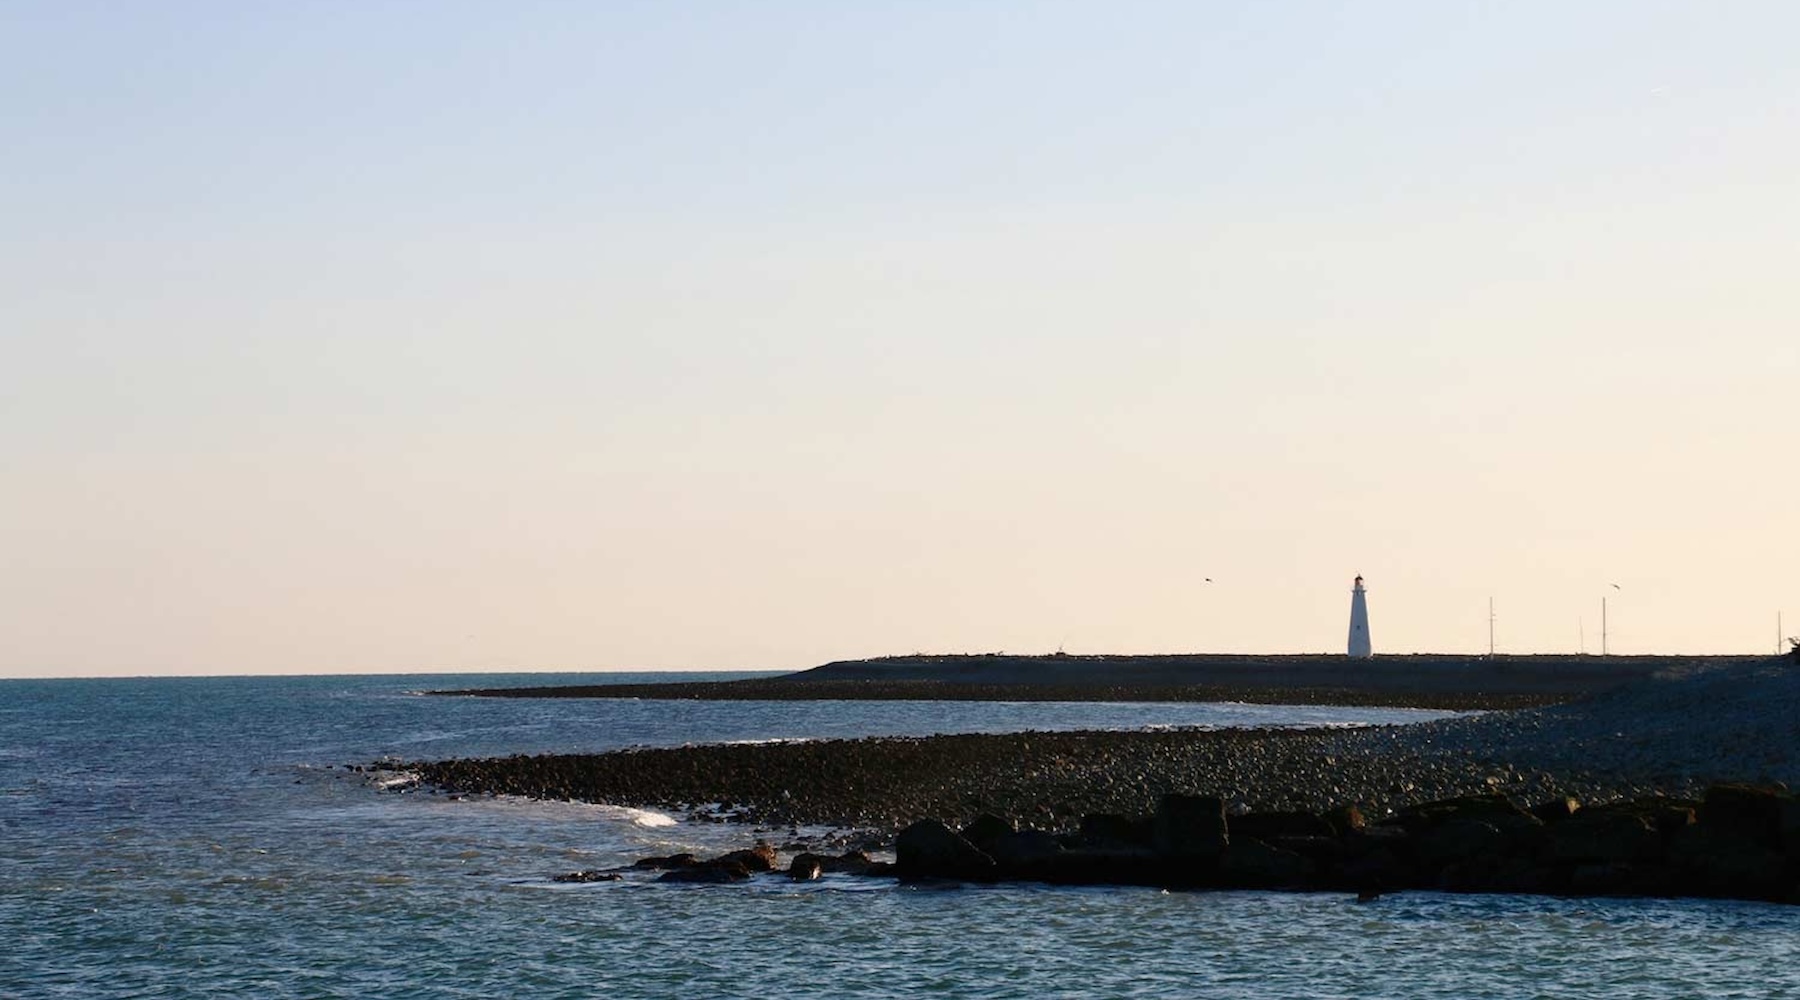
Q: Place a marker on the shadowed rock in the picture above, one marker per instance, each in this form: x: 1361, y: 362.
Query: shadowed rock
x: 929, y: 849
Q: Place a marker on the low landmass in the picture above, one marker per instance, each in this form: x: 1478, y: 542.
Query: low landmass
x: 1421, y: 680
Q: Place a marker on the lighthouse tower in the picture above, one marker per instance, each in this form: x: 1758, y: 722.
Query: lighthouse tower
x: 1359, y: 623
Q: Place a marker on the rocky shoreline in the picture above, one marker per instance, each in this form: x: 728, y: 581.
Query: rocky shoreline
x: 1669, y: 737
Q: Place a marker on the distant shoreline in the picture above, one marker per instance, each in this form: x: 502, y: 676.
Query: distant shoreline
x: 1420, y: 680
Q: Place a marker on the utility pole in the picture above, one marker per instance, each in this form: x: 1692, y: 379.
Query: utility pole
x: 1491, y: 628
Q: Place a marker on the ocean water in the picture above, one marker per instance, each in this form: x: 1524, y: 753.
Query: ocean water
x: 201, y: 837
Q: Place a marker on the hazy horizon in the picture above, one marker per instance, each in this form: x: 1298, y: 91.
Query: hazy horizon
x: 387, y: 338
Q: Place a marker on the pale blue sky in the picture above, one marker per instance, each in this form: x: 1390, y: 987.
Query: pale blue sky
x: 406, y: 336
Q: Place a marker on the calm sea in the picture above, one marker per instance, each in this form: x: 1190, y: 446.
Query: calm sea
x: 200, y: 837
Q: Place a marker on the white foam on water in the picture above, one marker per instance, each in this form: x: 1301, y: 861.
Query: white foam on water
x: 540, y: 808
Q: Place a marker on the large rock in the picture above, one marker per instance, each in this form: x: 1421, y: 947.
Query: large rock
x: 1716, y: 861
x: 683, y: 860
x: 758, y: 858
x: 1025, y: 854
x: 847, y: 863
x: 1495, y: 810
x: 1557, y: 809
x: 986, y: 831
x: 1606, y: 835
x: 929, y: 849
x: 1345, y: 819
x: 1107, y: 866
x: 1266, y: 826
x: 1460, y: 841
x: 1747, y: 812
x: 1190, y: 826
x: 1253, y: 864
x: 1790, y: 827
x: 1112, y: 830
x: 1378, y: 859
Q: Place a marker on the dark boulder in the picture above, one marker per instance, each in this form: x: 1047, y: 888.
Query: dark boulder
x: 848, y: 863
x: 1790, y: 827
x: 1606, y: 835
x: 1111, y: 830
x: 1250, y: 863
x: 1721, y: 861
x: 1025, y: 854
x: 1190, y: 826
x: 1344, y: 819
x: 1324, y: 851
x: 1747, y: 812
x: 1265, y: 826
x: 1459, y: 841
x: 1106, y: 866
x: 1377, y: 859
x: 986, y: 831
x: 1495, y: 810
x: 929, y: 849
x: 851, y: 863
x: 805, y: 868
x: 1556, y: 810
x: 683, y: 860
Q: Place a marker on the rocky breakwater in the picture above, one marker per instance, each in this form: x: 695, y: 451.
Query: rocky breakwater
x: 1738, y: 841
x: 1648, y: 759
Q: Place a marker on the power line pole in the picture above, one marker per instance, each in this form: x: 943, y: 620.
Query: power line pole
x: 1491, y: 627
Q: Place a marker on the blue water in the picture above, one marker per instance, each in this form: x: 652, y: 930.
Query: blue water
x: 200, y: 837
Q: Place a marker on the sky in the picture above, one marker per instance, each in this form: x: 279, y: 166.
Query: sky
x: 406, y: 336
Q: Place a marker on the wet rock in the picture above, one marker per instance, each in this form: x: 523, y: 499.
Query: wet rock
x: 848, y: 863
x: 718, y: 873
x: 587, y: 875
x: 683, y: 860
x: 757, y: 858
x: 805, y: 868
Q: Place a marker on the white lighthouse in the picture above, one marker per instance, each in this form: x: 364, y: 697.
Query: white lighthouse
x: 1359, y: 623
